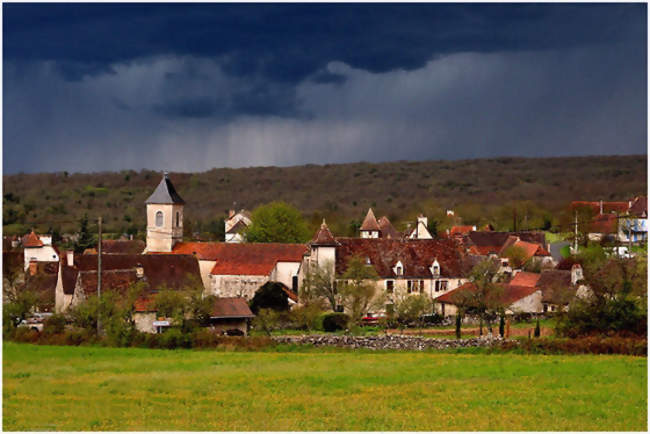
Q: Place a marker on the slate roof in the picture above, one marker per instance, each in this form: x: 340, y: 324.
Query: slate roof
x: 254, y: 259
x: 32, y: 240
x: 165, y: 193
x: 387, y: 229
x: 416, y: 256
x: 323, y: 237
x: 370, y: 222
x: 110, y: 247
x: 231, y: 307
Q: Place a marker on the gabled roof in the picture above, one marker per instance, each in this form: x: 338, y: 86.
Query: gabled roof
x: 204, y: 251
x: 370, y: 222
x: 238, y: 227
x: 165, y: 193
x: 510, y: 293
x: 32, y: 240
x: 416, y: 256
x: 639, y: 207
x: 493, y: 242
x: 387, y: 229
x: 524, y: 278
x: 254, y: 259
x: 323, y: 236
x: 604, y: 224
x: 231, y: 307
x: 163, y: 271
x: 556, y: 286
x: 531, y: 249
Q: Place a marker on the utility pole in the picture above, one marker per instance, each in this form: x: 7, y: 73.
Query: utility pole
x: 575, y: 238
x: 99, y: 272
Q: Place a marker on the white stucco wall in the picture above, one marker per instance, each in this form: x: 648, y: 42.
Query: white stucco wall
x: 284, y: 272
x: 529, y: 304
x: 39, y: 254
x: 204, y: 268
x: 236, y: 285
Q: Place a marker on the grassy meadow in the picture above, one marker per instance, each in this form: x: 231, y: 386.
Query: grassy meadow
x: 93, y: 388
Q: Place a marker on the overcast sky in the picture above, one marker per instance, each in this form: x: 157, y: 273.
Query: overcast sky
x: 191, y: 87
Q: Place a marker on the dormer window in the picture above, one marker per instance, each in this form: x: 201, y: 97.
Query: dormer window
x: 367, y: 261
x: 159, y: 218
x: 398, y: 269
x: 435, y: 268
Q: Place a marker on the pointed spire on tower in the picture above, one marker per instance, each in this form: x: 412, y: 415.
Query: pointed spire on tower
x: 370, y: 222
x: 323, y: 236
x: 165, y: 193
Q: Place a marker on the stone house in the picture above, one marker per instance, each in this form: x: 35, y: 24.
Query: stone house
x: 241, y: 269
x: 78, y: 279
x: 404, y: 267
x: 38, y: 248
x: 515, y: 298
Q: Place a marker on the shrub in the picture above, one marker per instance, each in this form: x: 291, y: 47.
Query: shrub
x: 615, y: 315
x: 537, y: 330
x: 586, y: 345
x: 271, y: 295
x: 55, y: 324
x: 335, y: 321
x: 174, y: 338
x: 305, y: 317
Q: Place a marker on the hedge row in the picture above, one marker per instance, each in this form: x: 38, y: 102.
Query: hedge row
x: 633, y: 346
x: 171, y: 339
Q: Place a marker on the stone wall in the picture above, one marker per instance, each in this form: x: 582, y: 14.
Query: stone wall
x: 388, y: 342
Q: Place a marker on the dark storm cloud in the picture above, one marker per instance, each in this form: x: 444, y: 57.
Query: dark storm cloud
x: 189, y: 87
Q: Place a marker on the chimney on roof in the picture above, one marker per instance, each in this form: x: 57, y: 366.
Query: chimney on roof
x: 33, y: 267
x: 70, y: 257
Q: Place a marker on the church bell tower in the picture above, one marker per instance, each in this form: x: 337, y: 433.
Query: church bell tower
x: 164, y: 217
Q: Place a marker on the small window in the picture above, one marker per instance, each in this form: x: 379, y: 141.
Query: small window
x: 421, y: 285
x: 409, y: 286
x: 390, y: 285
x: 399, y: 271
x: 159, y: 218
x: 178, y: 219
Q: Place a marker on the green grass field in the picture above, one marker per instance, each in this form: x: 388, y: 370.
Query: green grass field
x: 91, y: 388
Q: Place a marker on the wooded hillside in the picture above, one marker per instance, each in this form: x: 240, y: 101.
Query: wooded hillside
x: 480, y: 191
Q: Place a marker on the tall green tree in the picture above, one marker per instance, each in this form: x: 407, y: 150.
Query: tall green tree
x: 358, y: 289
x: 277, y: 222
x: 86, y: 239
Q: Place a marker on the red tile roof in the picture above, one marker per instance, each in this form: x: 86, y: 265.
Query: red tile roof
x: 254, y: 259
x: 163, y: 271
x: 510, y: 294
x: 639, y: 207
x: 387, y: 229
x: 231, y: 307
x: 604, y: 224
x: 32, y: 240
x: 370, y: 222
x: 416, y: 255
x: 204, y: 251
x: 323, y: 237
x: 461, y: 229
x: 525, y: 278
